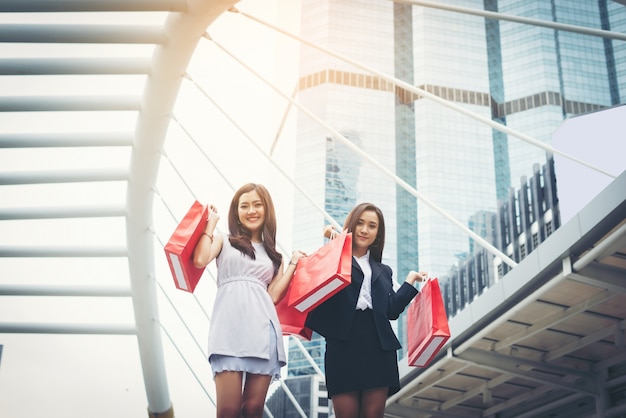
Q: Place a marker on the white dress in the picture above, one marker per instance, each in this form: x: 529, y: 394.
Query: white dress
x: 245, y: 334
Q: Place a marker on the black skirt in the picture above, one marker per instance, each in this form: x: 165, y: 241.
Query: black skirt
x: 359, y: 363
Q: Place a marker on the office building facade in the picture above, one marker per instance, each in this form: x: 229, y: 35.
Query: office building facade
x: 523, y: 221
x: 526, y: 76
x: 308, y: 391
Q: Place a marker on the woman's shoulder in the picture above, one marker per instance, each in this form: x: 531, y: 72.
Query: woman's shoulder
x: 379, y: 263
x: 384, y: 267
x: 223, y: 239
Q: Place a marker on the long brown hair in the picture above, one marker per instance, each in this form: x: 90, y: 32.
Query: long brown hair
x: 376, y: 249
x: 240, y: 236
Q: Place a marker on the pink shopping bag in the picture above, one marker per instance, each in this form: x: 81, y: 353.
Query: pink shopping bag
x: 427, y: 325
x: 180, y: 246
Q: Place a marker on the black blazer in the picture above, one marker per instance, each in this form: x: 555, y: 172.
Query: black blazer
x: 333, y: 318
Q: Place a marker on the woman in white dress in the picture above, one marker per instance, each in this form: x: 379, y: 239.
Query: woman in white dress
x: 245, y: 338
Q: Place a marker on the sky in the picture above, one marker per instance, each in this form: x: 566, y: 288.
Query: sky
x: 100, y: 376
x: 578, y: 185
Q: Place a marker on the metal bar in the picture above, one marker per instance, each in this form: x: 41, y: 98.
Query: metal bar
x: 425, y: 94
x: 62, y: 176
x: 81, y: 34
x: 551, y: 321
x: 308, y: 357
x: 279, y: 131
x: 45, y: 6
x: 587, y: 340
x: 534, y: 296
x: 475, y: 391
x: 68, y: 103
x: 402, y: 411
x: 511, y: 365
x: 264, y: 153
x: 66, y: 251
x: 180, y: 353
x: 66, y: 139
x: 292, y: 398
x: 601, y: 275
x: 169, y: 63
x: 400, y: 182
x: 48, y: 66
x: 40, y: 212
x: 46, y: 290
x: 428, y: 377
x: 607, y: 246
x: 550, y: 406
x: 85, y: 329
x: 518, y: 19
x: 267, y: 411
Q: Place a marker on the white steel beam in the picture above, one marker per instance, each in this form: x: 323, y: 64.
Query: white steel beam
x: 49, y: 66
x: 82, y: 329
x: 47, y: 290
x: 66, y: 139
x: 41, y: 6
x: 41, y: 212
x: 62, y: 176
x: 519, y: 19
x: 349, y: 144
x: 169, y: 64
x: 430, y: 96
x: 68, y: 103
x: 66, y: 251
x: 81, y: 34
x: 538, y: 372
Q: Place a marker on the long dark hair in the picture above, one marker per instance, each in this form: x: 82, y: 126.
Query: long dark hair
x: 376, y: 249
x: 240, y: 236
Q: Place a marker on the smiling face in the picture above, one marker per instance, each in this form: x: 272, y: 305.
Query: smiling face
x: 365, y: 232
x: 251, y: 214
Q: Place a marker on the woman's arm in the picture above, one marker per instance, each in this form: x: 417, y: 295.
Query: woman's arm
x: 208, y: 246
x: 415, y: 276
x: 330, y: 232
x: 279, y: 284
x: 399, y: 300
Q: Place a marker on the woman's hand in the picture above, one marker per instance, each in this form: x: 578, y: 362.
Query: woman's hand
x: 278, y: 287
x: 213, y: 216
x: 329, y: 232
x: 415, y: 276
x: 295, y: 257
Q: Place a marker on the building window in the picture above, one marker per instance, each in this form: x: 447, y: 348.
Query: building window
x: 549, y: 228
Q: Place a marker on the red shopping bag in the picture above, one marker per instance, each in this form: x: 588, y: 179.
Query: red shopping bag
x: 292, y: 320
x: 427, y: 325
x: 179, y: 248
x: 322, y: 274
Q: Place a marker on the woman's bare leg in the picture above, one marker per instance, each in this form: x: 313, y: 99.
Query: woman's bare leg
x: 228, y: 392
x: 254, y: 393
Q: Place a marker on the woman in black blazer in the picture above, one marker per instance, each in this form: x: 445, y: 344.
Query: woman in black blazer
x: 360, y: 362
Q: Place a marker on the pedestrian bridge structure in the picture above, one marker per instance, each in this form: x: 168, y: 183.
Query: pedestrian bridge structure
x: 92, y: 115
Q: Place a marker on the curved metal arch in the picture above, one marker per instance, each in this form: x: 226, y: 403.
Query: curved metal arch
x: 169, y: 62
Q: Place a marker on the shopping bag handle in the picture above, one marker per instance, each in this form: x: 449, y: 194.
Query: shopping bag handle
x: 423, y: 283
x: 332, y: 233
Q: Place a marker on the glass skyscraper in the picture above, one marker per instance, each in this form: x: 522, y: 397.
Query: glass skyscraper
x: 525, y: 76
